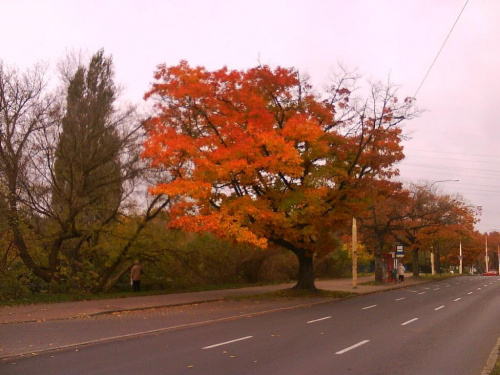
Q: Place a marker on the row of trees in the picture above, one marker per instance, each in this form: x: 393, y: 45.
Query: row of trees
x: 422, y: 220
x: 256, y: 156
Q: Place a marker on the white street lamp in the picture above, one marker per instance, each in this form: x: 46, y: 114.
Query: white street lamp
x: 433, y: 271
x: 435, y: 182
x: 486, y: 258
x: 479, y: 210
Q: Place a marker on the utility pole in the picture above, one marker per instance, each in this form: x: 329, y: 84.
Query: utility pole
x: 486, y: 251
x: 354, y: 254
x: 433, y: 270
x: 460, y: 257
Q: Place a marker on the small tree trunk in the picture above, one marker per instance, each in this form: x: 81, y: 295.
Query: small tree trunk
x: 306, y: 272
x: 416, y: 268
x: 18, y: 239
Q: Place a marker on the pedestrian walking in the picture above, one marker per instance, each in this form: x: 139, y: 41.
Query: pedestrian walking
x: 401, y: 273
x: 135, y: 276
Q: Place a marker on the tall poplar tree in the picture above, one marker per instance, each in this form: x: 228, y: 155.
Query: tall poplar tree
x: 87, y: 188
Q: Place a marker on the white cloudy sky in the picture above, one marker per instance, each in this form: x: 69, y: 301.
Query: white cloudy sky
x: 457, y: 136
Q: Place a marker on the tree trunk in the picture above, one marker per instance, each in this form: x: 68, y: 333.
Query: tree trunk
x: 416, y: 268
x: 305, y: 279
x: 14, y: 225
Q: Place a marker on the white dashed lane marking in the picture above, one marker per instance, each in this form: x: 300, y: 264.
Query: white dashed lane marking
x: 353, y: 347
x: 318, y: 320
x: 409, y: 321
x: 227, y: 342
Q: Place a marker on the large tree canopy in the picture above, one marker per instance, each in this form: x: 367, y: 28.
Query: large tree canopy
x: 256, y: 156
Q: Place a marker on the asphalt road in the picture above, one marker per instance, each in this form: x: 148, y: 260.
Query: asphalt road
x: 446, y: 327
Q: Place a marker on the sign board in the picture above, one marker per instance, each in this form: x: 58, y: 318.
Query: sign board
x: 400, y: 251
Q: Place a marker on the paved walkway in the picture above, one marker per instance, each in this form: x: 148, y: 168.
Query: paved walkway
x: 80, y: 309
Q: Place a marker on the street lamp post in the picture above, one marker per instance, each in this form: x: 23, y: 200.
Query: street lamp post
x: 486, y: 251
x: 460, y: 258
x: 433, y: 271
x: 435, y: 182
x: 486, y: 258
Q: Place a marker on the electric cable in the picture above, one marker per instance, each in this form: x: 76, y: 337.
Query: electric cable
x: 439, y: 52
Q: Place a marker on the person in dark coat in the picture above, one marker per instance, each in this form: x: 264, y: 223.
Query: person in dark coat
x: 135, y: 276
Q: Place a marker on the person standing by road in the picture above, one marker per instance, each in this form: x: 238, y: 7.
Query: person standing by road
x: 401, y: 272
x: 135, y: 276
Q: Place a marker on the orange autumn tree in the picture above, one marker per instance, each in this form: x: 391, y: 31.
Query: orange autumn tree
x: 255, y: 156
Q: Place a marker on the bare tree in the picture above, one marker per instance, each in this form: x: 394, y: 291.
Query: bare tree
x: 26, y: 112
x: 70, y: 172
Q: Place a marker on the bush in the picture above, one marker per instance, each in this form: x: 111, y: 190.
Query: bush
x: 12, y: 288
x: 334, y: 265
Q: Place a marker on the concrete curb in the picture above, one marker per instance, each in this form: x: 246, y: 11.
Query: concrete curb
x: 492, y: 360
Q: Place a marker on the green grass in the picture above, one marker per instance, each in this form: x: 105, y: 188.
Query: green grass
x: 496, y: 369
x: 439, y: 276
x: 294, y: 294
x: 373, y: 283
x: 44, y: 297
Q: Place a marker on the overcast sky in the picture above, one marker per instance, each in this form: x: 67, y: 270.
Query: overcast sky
x: 455, y: 138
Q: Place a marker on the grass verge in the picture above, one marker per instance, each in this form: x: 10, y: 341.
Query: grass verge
x: 293, y: 294
x: 496, y: 369
x: 37, y: 298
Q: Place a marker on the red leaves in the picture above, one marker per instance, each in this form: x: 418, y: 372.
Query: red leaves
x: 253, y: 156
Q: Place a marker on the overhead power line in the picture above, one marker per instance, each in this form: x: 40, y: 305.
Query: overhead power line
x: 442, y: 46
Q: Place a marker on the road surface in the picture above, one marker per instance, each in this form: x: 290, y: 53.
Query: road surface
x: 445, y: 327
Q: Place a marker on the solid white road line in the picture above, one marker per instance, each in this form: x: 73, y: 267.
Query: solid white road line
x: 369, y: 307
x: 439, y: 308
x: 457, y: 299
x: 353, y: 347
x: 227, y: 342
x: 318, y: 320
x: 409, y: 321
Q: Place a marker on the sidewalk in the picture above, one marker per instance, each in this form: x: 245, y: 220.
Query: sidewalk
x: 81, y: 309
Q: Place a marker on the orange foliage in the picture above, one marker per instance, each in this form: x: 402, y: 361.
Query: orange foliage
x: 255, y: 156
